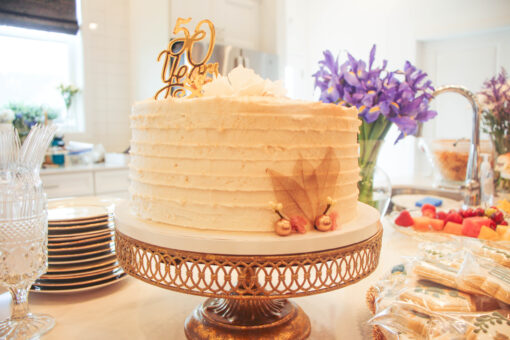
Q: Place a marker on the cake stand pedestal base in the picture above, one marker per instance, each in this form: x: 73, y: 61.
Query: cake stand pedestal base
x: 242, y: 319
x: 248, y: 279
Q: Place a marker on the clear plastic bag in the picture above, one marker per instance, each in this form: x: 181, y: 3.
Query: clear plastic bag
x: 486, y: 275
x: 497, y: 251
x: 443, y: 273
x: 402, y: 285
x: 401, y: 321
x: 407, y: 321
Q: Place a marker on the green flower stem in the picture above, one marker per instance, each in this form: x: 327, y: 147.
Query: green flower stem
x: 371, y: 138
x: 498, y: 129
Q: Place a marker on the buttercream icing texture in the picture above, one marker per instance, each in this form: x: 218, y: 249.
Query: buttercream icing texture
x: 201, y: 163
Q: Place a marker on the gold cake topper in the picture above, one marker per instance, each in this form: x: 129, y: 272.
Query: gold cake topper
x: 178, y: 80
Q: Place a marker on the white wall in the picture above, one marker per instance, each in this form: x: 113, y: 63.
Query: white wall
x: 119, y: 64
x: 150, y: 28
x: 106, y: 91
x: 396, y: 26
x: 242, y: 23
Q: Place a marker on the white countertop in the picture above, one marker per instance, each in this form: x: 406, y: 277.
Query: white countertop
x: 81, y: 168
x: 132, y: 309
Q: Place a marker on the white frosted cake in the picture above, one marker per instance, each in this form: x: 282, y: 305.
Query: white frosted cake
x: 206, y: 163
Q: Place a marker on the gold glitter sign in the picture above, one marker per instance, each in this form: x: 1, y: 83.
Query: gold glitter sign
x: 181, y: 73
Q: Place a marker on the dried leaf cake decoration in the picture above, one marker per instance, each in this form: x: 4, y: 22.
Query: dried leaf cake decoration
x: 304, y: 199
x: 291, y: 194
x: 182, y: 74
x: 327, y: 175
x: 305, y: 175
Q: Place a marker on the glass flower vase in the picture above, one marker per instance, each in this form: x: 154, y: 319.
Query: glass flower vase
x: 374, y: 186
x: 502, y: 182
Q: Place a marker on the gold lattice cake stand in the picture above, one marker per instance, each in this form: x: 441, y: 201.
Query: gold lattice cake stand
x: 248, y: 278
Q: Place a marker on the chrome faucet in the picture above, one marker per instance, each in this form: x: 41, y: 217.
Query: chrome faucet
x: 471, y: 188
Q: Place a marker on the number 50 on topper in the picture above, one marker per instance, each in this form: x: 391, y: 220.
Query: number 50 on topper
x: 179, y: 81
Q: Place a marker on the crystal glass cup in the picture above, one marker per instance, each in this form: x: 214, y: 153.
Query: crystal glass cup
x: 23, y: 250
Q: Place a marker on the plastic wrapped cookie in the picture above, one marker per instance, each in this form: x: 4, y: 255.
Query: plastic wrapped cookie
x: 493, y: 326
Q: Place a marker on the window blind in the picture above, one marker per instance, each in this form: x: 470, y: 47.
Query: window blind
x: 48, y: 15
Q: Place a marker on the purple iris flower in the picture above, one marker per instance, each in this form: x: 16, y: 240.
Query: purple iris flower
x: 401, y: 97
x: 495, y: 96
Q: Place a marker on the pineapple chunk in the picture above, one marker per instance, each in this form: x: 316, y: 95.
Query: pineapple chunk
x: 487, y: 233
x: 506, y: 236
x: 502, y: 229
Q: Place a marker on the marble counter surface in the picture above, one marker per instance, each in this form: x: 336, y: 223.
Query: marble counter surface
x: 132, y: 309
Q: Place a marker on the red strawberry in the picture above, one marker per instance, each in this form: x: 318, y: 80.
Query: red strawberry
x: 469, y: 213
x: 480, y: 211
x: 441, y: 215
x: 493, y: 225
x: 454, y: 217
x: 497, y: 217
x: 428, y: 210
x: 503, y: 222
x: 404, y: 219
x: 428, y: 213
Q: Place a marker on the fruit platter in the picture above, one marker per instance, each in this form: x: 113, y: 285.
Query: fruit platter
x: 431, y: 222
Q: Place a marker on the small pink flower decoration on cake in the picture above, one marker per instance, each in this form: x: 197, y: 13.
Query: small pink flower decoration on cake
x: 305, y: 198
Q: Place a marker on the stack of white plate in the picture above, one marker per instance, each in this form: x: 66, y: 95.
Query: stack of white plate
x: 81, y: 246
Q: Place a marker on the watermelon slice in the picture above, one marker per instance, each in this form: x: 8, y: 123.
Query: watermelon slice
x: 471, y: 226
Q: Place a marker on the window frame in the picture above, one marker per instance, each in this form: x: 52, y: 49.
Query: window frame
x: 75, y: 120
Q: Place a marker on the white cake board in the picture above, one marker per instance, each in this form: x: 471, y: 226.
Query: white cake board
x: 167, y: 236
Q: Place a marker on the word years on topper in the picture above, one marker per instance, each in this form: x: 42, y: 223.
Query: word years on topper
x: 182, y: 80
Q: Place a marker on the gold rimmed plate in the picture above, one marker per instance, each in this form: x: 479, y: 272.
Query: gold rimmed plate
x: 81, y: 253
x: 76, y: 289
x: 79, y: 229
x: 80, y: 275
x: 80, y: 259
x: 79, y: 242
x: 54, y: 224
x: 52, y: 252
x: 66, y: 268
x: 82, y: 247
x: 80, y: 236
x: 79, y: 281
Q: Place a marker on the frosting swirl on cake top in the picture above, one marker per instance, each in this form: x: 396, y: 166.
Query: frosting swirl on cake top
x: 243, y: 82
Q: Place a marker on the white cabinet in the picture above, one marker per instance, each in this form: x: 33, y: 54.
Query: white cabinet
x: 85, y: 181
x: 68, y: 184
x: 110, y: 181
